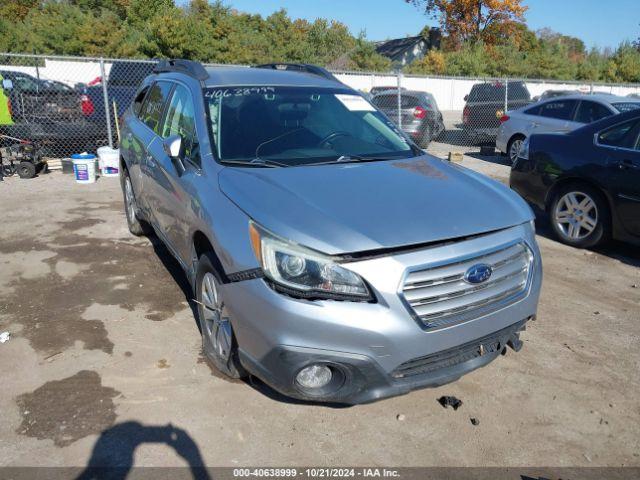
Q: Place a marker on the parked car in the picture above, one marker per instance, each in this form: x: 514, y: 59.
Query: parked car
x: 51, y: 114
x: 486, y: 104
x: 588, y: 180
x: 547, y: 94
x: 314, y: 234
x: 558, y: 115
x: 123, y: 80
x: 421, y: 118
x: 377, y: 90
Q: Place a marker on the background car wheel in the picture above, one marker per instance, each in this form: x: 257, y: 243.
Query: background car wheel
x: 26, y: 170
x: 136, y: 226
x: 580, y: 216
x: 426, y: 137
x: 514, y: 147
x: 218, y: 340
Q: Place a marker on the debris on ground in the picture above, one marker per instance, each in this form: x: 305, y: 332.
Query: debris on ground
x: 474, y: 421
x: 4, y: 337
x: 400, y: 417
x: 450, y: 401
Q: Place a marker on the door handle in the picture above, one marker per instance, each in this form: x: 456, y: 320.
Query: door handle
x: 627, y: 164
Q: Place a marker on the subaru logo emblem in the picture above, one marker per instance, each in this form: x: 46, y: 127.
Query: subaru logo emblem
x: 478, y: 273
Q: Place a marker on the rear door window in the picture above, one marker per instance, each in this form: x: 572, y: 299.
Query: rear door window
x: 589, y: 112
x: 391, y: 101
x: 559, y: 109
x: 138, y: 101
x: 154, y: 103
x: 518, y: 91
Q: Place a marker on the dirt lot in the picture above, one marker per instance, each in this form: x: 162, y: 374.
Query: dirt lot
x: 104, y: 361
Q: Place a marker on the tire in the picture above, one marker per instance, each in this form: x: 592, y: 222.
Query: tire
x: 514, y: 144
x: 136, y: 226
x: 580, y: 216
x: 26, y: 170
x: 425, y: 140
x: 8, y: 169
x: 219, y: 343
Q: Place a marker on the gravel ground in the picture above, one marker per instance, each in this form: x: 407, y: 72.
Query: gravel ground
x: 104, y: 362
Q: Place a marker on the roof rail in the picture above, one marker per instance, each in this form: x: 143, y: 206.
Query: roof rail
x: 300, y: 67
x: 188, y: 67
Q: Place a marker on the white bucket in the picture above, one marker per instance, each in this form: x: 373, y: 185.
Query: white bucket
x: 84, y: 167
x: 109, y: 160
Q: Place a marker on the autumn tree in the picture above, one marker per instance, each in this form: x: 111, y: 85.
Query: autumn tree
x: 486, y: 20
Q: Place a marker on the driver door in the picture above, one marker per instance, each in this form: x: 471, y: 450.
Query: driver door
x: 622, y: 143
x: 173, y: 177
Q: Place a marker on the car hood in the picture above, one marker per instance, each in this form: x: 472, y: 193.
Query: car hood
x: 348, y: 208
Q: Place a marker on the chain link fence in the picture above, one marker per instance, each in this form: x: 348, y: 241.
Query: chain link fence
x: 66, y: 105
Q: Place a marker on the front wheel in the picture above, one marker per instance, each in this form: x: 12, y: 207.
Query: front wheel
x: 136, y: 227
x: 219, y: 344
x: 580, y: 216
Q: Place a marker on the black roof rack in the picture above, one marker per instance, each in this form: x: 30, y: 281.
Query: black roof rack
x: 188, y: 67
x: 300, y: 67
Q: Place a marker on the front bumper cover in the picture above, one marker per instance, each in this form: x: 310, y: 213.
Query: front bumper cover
x: 365, y: 381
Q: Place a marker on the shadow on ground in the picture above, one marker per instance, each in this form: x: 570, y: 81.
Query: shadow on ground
x: 112, y: 456
x: 175, y: 270
x: 623, y: 252
x: 496, y: 159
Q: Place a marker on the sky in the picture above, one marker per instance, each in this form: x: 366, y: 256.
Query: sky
x: 596, y: 22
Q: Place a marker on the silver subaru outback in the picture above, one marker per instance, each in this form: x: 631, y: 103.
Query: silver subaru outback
x: 328, y: 255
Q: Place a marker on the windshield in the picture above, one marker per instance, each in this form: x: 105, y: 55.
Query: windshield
x: 290, y: 126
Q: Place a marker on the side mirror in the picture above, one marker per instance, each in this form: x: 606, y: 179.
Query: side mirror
x: 7, y: 84
x: 173, y: 148
x: 466, y: 97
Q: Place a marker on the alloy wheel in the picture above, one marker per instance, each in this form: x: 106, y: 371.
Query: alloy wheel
x: 130, y: 200
x: 515, y: 149
x: 216, y: 329
x: 576, y: 215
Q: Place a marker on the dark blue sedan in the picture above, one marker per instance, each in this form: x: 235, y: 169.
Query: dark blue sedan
x: 587, y: 180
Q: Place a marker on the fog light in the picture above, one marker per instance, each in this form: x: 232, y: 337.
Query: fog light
x: 314, y: 376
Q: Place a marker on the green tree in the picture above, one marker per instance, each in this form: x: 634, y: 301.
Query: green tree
x: 471, y: 59
x: 626, y: 64
x: 16, y: 10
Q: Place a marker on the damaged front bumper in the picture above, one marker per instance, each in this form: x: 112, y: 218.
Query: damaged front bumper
x: 364, y: 381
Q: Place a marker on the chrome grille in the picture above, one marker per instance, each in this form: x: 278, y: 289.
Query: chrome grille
x: 439, y: 295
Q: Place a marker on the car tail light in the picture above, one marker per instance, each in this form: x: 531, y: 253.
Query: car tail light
x: 86, y: 105
x: 9, y: 107
x: 465, y: 115
x: 504, y: 118
x: 419, y: 112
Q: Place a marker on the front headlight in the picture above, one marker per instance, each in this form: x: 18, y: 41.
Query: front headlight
x: 304, y: 272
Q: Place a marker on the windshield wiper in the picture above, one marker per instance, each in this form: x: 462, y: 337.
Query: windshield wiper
x: 256, y: 163
x: 354, y: 159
